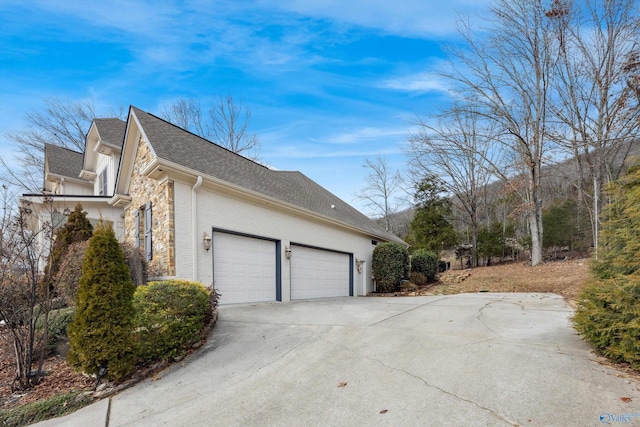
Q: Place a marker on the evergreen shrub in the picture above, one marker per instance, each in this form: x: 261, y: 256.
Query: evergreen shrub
x: 390, y: 264
x: 170, y: 315
x: 101, y: 332
x: 425, y: 262
x: 608, y: 313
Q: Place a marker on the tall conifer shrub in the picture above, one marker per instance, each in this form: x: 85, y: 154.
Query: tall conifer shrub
x: 608, y: 314
x: 102, y: 329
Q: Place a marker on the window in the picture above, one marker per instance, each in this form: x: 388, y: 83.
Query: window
x: 102, y: 182
x: 143, y: 230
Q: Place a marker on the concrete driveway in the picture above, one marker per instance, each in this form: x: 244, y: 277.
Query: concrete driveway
x: 461, y: 360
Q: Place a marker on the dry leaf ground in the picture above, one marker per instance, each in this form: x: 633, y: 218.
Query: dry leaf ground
x: 565, y: 278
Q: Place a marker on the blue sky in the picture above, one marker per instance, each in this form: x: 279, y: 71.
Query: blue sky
x: 329, y: 83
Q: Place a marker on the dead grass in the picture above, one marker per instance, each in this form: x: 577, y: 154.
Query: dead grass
x: 565, y: 278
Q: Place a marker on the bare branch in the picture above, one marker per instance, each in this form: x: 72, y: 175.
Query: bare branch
x: 380, y: 193
x: 226, y: 123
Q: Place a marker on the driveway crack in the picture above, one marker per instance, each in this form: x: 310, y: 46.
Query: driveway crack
x: 407, y: 311
x: 425, y: 382
x: 479, y: 318
x: 448, y: 393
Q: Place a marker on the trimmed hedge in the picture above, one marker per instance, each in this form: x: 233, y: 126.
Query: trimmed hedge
x: 389, y: 266
x: 170, y: 315
x: 425, y: 262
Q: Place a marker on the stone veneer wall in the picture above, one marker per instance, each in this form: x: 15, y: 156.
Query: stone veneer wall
x: 161, y: 196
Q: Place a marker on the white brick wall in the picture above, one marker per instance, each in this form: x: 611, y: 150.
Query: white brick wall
x: 219, y: 211
x: 182, y: 197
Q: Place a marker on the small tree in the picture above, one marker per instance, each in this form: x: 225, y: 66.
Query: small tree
x: 380, y: 193
x: 76, y: 229
x: 101, y: 334
x: 25, y: 308
x: 389, y: 266
x: 431, y: 227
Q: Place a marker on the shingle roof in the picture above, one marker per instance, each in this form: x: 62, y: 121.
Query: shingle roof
x: 111, y: 131
x: 63, y: 161
x: 186, y: 149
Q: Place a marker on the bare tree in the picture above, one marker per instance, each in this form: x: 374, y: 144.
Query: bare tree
x: 462, y: 154
x: 25, y: 305
x: 596, y: 104
x: 61, y: 123
x: 506, y: 77
x: 381, y: 191
x: 226, y: 122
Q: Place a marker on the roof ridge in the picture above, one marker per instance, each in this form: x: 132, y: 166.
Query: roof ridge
x: 202, y: 138
x: 109, y: 118
x: 48, y: 144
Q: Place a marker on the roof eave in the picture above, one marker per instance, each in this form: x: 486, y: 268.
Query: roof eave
x: 159, y: 168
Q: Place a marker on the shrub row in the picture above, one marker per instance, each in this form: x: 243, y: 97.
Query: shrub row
x: 117, y: 325
x: 391, y: 263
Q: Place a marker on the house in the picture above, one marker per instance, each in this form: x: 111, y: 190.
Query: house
x: 201, y: 212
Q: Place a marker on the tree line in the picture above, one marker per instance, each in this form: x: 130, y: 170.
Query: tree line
x: 539, y: 84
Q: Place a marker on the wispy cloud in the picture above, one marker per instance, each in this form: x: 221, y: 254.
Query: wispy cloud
x: 416, y: 18
x: 421, y: 82
x: 364, y: 135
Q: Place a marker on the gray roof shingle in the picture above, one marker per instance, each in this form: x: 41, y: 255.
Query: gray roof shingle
x: 111, y: 131
x: 186, y: 149
x: 62, y: 161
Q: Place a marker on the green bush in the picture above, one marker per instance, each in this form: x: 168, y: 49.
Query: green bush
x: 608, y: 313
x: 389, y: 266
x: 102, y: 328
x: 169, y: 317
x: 425, y: 262
x: 59, y: 321
x: 608, y: 316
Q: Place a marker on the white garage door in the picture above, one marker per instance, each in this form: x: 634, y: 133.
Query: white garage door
x: 244, y: 268
x: 316, y: 273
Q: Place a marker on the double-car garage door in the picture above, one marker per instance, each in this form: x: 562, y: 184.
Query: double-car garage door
x: 246, y: 270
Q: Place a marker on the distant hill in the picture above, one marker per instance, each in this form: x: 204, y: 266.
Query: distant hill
x: 557, y: 179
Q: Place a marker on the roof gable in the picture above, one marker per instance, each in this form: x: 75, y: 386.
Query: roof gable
x: 111, y: 131
x: 63, y: 161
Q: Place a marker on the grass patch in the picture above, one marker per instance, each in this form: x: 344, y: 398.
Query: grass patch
x: 56, y: 406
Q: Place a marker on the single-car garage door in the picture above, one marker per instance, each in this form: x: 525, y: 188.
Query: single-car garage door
x: 317, y: 273
x: 244, y: 268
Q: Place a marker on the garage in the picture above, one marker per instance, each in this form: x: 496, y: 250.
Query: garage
x: 319, y: 273
x: 244, y: 268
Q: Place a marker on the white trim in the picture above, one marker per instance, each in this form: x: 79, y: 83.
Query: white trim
x: 194, y: 226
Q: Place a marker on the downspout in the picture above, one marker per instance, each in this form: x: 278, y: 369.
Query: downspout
x: 194, y: 227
